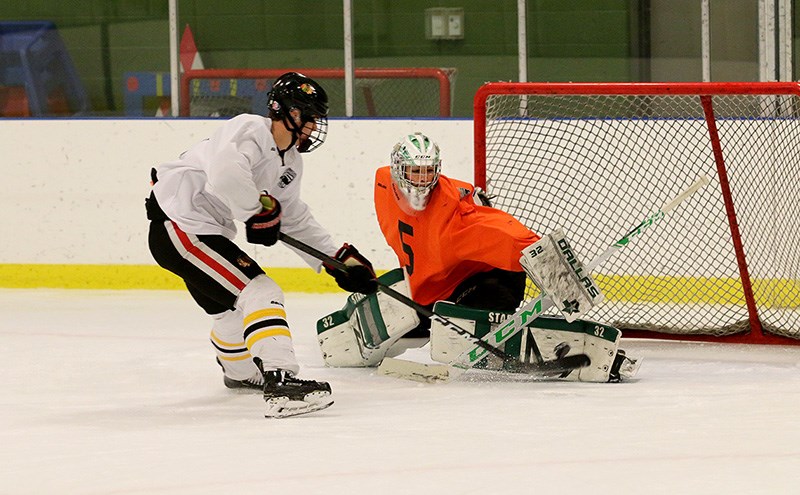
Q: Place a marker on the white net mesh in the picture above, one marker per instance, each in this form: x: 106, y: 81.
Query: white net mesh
x: 596, y: 165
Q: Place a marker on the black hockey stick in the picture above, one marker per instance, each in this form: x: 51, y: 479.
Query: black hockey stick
x: 554, y: 367
x: 393, y: 294
x: 338, y: 265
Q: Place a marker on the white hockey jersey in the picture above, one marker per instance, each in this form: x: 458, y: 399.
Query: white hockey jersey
x: 219, y: 180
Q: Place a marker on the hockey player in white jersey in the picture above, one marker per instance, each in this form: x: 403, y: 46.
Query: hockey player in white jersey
x: 250, y: 170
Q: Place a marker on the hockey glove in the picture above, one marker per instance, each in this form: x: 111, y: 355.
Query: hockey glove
x: 482, y: 197
x: 359, y: 277
x: 263, y: 227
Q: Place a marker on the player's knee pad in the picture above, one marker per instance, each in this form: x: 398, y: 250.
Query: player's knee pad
x: 363, y: 331
x: 232, y: 353
x: 265, y: 329
x: 260, y: 292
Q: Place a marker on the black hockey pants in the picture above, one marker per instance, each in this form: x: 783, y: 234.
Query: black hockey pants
x: 214, y: 268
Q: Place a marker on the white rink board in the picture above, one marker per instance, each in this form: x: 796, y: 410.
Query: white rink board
x: 73, y: 190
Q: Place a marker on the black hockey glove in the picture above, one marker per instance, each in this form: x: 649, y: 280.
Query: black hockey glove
x: 263, y: 228
x: 359, y: 277
x: 482, y: 197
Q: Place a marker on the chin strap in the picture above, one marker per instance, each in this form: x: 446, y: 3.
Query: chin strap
x: 291, y: 127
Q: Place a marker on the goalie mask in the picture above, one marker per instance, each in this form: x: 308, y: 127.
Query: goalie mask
x: 294, y: 91
x: 415, y: 170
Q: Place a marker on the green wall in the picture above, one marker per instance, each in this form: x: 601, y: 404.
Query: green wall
x: 569, y: 40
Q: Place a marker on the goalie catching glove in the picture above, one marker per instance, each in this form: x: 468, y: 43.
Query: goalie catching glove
x: 264, y: 227
x: 481, y: 197
x: 359, y: 276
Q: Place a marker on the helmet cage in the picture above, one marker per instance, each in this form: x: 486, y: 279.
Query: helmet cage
x: 310, y: 139
x: 416, y: 156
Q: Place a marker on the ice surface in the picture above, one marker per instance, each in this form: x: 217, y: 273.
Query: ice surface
x: 117, y: 392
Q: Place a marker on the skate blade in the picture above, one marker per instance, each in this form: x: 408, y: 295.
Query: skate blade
x: 283, y: 407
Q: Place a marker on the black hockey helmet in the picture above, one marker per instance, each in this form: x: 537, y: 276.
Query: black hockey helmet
x: 296, y: 91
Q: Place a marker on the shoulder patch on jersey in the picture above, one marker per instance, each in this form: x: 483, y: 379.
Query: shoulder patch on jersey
x: 287, y: 178
x: 463, y: 192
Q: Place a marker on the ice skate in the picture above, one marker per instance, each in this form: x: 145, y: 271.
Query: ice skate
x: 287, y: 396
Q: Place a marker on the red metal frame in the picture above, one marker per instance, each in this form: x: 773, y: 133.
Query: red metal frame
x: 705, y: 91
x: 442, y: 76
x: 755, y: 324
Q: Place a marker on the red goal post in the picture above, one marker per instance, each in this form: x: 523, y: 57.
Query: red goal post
x: 379, y: 92
x: 596, y: 158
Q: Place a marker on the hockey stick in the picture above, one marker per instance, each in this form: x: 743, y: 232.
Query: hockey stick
x: 338, y: 265
x: 479, y: 344
x: 533, y: 309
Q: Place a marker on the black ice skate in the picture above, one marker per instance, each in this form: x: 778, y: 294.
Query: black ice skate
x: 288, y: 396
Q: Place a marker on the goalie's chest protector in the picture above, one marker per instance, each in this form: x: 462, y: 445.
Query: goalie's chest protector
x: 450, y: 240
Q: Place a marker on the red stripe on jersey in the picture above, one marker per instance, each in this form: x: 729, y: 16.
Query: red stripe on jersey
x: 208, y: 260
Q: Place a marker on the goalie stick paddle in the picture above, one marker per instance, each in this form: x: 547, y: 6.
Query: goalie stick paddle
x: 533, y: 309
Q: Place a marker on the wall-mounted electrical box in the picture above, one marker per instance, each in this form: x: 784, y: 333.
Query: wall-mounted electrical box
x: 443, y: 23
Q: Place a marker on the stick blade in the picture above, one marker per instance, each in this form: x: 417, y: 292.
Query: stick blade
x: 555, y: 367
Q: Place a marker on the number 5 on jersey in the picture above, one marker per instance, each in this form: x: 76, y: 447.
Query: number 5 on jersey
x: 409, y: 231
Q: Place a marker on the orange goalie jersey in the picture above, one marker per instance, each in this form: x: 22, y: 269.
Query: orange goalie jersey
x: 451, y: 240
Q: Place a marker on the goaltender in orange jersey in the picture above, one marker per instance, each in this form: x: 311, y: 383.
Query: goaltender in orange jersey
x: 451, y: 247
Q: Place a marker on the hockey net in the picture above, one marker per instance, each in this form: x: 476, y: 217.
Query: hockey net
x: 390, y: 92
x: 596, y: 159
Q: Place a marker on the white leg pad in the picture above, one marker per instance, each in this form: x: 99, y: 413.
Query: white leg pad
x: 597, y: 341
x: 361, y: 334
x: 447, y: 345
x: 543, y: 340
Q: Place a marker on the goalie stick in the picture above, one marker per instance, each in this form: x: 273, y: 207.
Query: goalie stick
x: 525, y: 316
x: 544, y: 367
x: 533, y: 309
